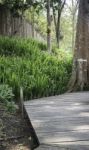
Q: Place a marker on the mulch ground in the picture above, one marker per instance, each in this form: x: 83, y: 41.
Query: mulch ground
x: 14, y: 130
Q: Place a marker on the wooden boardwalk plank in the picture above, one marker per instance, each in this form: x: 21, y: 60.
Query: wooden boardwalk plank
x: 61, y: 121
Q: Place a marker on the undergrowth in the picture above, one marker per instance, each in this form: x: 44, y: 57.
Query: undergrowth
x: 26, y: 63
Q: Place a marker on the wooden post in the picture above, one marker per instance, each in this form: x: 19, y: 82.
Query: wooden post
x: 21, y: 101
x: 82, y: 73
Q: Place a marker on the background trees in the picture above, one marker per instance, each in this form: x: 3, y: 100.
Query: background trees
x: 57, y: 8
x: 56, y: 19
x: 72, y: 7
x: 62, y: 21
x: 47, y: 6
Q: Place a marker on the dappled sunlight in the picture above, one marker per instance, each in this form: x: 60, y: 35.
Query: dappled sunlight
x: 77, y: 104
x: 48, y: 107
x: 60, y: 139
x: 37, y: 124
x: 84, y: 114
x: 82, y: 128
x: 51, y: 102
x: 19, y: 147
x: 75, y: 108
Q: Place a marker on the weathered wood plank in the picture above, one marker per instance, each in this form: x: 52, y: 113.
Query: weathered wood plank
x: 44, y: 147
x: 73, y: 106
x: 66, y: 97
x: 60, y: 137
x: 67, y: 147
x: 60, y: 127
x: 61, y: 114
x: 60, y: 110
x: 56, y: 101
x: 55, y: 118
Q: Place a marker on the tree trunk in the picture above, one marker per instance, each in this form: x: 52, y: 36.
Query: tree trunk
x: 54, y: 18
x: 32, y: 21
x: 57, y: 24
x: 58, y: 28
x: 57, y: 17
x: 73, y: 11
x: 48, y: 27
x: 5, y: 21
x: 80, y: 73
x: 73, y: 26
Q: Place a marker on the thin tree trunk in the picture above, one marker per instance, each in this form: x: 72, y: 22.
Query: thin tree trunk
x: 73, y: 12
x: 55, y: 21
x: 57, y: 25
x: 73, y: 32
x: 73, y: 26
x: 58, y: 28
x: 32, y: 21
x: 48, y: 27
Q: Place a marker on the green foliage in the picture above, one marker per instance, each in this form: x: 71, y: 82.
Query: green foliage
x: 17, y: 7
x: 6, y: 97
x: 20, y: 47
x: 16, y: 3
x: 5, y: 93
x: 40, y: 20
x: 39, y: 73
x: 11, y: 107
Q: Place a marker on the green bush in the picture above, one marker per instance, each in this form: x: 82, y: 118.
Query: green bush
x: 6, y: 97
x: 22, y: 63
x: 6, y: 93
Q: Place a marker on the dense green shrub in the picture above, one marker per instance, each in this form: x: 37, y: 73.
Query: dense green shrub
x: 39, y: 73
x: 6, y: 97
x: 6, y: 93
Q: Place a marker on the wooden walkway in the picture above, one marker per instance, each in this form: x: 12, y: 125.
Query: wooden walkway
x: 61, y: 122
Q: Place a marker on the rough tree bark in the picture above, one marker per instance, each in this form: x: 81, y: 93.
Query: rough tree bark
x: 80, y: 73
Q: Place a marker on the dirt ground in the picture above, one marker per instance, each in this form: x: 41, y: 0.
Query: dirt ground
x: 14, y: 131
